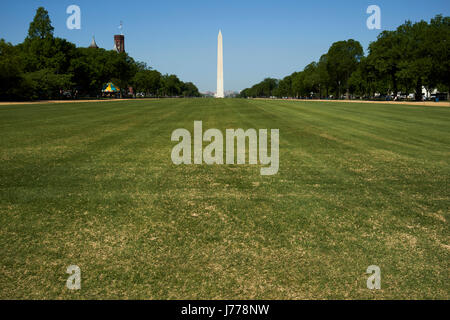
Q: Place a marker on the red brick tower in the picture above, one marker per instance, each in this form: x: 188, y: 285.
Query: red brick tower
x: 119, y: 43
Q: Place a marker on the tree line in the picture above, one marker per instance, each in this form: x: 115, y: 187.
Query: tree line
x: 44, y: 66
x: 413, y: 56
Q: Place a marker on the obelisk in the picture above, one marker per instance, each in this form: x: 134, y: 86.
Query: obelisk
x: 220, y: 93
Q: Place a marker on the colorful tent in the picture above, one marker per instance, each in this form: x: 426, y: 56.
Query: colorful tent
x: 110, y: 88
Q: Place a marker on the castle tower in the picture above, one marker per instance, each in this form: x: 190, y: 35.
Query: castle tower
x: 119, y: 43
x: 119, y: 40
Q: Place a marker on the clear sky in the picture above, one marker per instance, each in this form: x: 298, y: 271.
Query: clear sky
x: 263, y: 38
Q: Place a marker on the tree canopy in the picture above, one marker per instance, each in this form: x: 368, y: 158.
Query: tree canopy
x: 41, y: 26
x: 413, y: 56
x: 44, y: 66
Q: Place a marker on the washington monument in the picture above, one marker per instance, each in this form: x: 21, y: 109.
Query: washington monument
x: 219, y: 92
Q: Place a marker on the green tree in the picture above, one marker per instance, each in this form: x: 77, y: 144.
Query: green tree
x: 170, y: 85
x: 342, y: 59
x: 41, y: 26
x: 189, y: 90
x: 42, y: 66
x: 385, y: 54
x: 409, y: 58
x: 311, y: 79
x: 438, y: 44
x: 324, y: 77
x: 285, y: 87
x: 46, y: 84
x: 12, y: 82
x: 415, y: 64
x: 267, y: 86
x: 414, y: 55
x: 298, y: 87
x: 123, y: 69
x: 148, y: 81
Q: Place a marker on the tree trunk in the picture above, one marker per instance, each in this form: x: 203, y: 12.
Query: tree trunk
x: 448, y: 93
x: 394, y: 84
x: 419, y: 90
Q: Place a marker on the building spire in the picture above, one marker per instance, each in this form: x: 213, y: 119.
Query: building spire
x: 121, y: 27
x: 93, y: 43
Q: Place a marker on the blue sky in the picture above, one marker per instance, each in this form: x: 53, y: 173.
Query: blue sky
x: 261, y: 38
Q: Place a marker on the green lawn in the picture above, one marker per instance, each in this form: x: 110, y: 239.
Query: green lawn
x: 93, y: 184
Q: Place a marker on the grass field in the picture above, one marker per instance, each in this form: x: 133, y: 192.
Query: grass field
x: 93, y: 185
